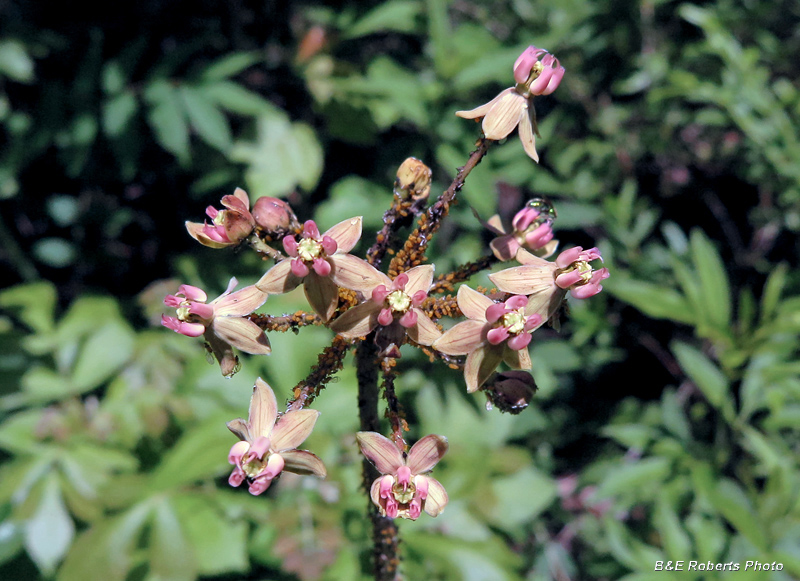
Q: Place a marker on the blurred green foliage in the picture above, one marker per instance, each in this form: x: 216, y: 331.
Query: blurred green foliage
x: 667, y: 423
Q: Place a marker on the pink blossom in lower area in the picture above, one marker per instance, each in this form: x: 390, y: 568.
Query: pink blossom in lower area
x: 536, y: 72
x: 268, y: 442
x: 404, y: 489
x: 228, y: 227
x: 223, y: 322
x: 546, y: 283
x: 494, y: 332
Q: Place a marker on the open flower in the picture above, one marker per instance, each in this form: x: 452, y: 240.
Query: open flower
x: 268, y: 442
x: 546, y: 283
x: 494, y: 332
x: 321, y: 263
x: 531, y: 228
x: 404, y: 489
x: 228, y: 227
x: 222, y: 322
x: 514, y: 106
x: 393, y: 304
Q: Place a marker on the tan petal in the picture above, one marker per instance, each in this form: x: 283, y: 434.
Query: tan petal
x: 526, y: 132
x: 525, y: 280
x: 358, y: 321
x: 420, y: 278
x: 242, y: 195
x: 381, y: 451
x: 241, y: 429
x: 548, y: 249
x: 346, y: 234
x: 462, y: 338
x: 525, y: 257
x: 425, y: 332
x: 545, y: 304
x: 197, y: 231
x: 263, y: 410
x: 302, y: 462
x: 437, y: 497
x: 483, y: 109
x: 517, y: 359
x: 243, y: 334
x: 223, y: 353
x: 480, y: 364
x: 425, y: 454
x: 292, y: 429
x: 351, y: 272
x: 495, y: 224
x: 472, y: 303
x: 504, y: 116
x: 322, y: 294
x: 279, y: 279
x: 242, y: 302
x: 375, y: 494
x: 504, y: 247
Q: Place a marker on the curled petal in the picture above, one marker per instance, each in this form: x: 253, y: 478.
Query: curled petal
x: 385, y: 317
x: 520, y: 341
x: 540, y: 84
x: 182, y: 327
x: 292, y: 429
x: 540, y: 236
x: 259, y: 485
x: 206, y: 235
x: 202, y: 310
x: 237, y: 477
x: 555, y: 80
x: 329, y: 245
x: 321, y: 266
x: 382, y: 452
x: 379, y: 294
x: 299, y: 268
x: 259, y: 448
x: 569, y: 256
x: 516, y: 302
x: 409, y: 319
x: 400, y: 282
x: 494, y: 312
x: 497, y: 335
x: 238, y: 450
x: 310, y: 229
x: 426, y: 453
x: 290, y: 245
x: 274, y: 466
x: 419, y: 297
x: 192, y: 293
x: 524, y: 63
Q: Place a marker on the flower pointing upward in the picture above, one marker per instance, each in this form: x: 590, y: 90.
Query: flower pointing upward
x: 514, y: 107
x: 268, y: 442
x: 404, y: 489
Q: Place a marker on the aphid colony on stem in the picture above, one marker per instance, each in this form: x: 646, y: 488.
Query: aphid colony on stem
x: 377, y: 312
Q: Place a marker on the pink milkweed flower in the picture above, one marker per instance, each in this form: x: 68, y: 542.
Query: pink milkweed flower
x: 537, y: 73
x: 268, y: 442
x: 404, y: 489
x: 320, y: 262
x: 228, y: 227
x: 494, y: 332
x: 223, y: 322
x: 546, y: 283
x: 531, y: 228
x: 394, y: 305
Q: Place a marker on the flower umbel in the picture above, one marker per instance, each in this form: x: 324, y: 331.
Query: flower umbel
x: 404, y: 489
x: 268, y: 442
x: 495, y: 332
x: 531, y: 228
x: 536, y: 72
x: 228, y: 227
x: 222, y: 322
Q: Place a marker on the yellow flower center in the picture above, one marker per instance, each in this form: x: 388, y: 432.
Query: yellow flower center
x: 401, y: 495
x: 255, y: 466
x: 583, y: 267
x: 308, y: 249
x: 514, y: 321
x: 398, y: 301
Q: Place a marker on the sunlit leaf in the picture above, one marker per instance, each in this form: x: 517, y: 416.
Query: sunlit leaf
x: 49, y: 533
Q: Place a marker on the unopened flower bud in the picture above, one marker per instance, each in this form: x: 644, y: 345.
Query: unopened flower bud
x: 511, y: 391
x: 274, y: 215
x: 413, y: 178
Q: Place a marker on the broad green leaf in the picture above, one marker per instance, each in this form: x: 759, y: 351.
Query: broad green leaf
x: 710, y: 536
x: 654, y: 300
x: 12, y: 537
x: 230, y: 65
x: 49, y: 533
x: 35, y: 302
x: 628, y: 550
x: 631, y: 435
x: 118, y: 112
x: 772, y: 291
x: 396, y: 15
x: 642, y: 475
x: 733, y: 505
x: 171, y: 556
x: 167, y: 118
x: 103, y: 353
x: 15, y: 62
x: 236, y: 99
x: 508, y: 512
x: 206, y: 119
x: 675, y: 540
x: 702, y: 371
x: 714, y: 285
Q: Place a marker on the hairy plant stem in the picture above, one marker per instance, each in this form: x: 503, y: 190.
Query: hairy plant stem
x: 385, y: 539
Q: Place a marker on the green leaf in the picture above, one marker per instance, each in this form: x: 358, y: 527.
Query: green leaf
x: 396, y: 15
x: 733, y: 504
x: 714, y: 285
x: 654, y: 300
x: 702, y: 371
x: 508, y: 512
x: 103, y: 353
x: 237, y: 99
x: 118, y: 112
x: 645, y: 474
x: 55, y: 252
x: 171, y: 556
x: 772, y: 291
x: 206, y: 119
x: 677, y: 544
x: 35, y: 303
x: 230, y: 65
x: 49, y: 533
x: 15, y: 62
x: 167, y: 118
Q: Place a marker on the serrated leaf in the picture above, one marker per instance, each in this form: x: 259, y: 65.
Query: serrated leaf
x: 714, y: 286
x: 702, y: 371
x: 49, y: 533
x: 397, y: 15
x: 206, y: 119
x: 230, y: 65
x: 167, y: 118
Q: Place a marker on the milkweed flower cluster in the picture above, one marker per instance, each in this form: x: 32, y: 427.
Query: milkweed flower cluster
x: 402, y: 305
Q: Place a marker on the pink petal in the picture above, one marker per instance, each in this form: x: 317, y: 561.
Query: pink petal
x: 290, y: 245
x: 497, y: 335
x: 385, y: 317
x: 292, y: 429
x: 540, y: 83
x: 409, y: 319
x: 400, y: 282
x: 567, y: 279
x: 540, y: 236
x: 381, y: 451
x: 237, y: 477
x: 555, y: 80
x: 569, y: 256
x: 238, y: 450
x: 259, y: 486
x: 524, y: 63
x: 379, y: 294
x: 299, y: 268
x: 321, y: 266
x: 329, y: 245
x: 182, y: 327
x: 259, y: 448
x: 418, y: 298
x: 516, y: 302
x: 494, y: 312
x: 310, y: 229
x: 425, y: 454
x: 192, y: 293
x: 520, y: 341
x: 274, y: 467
